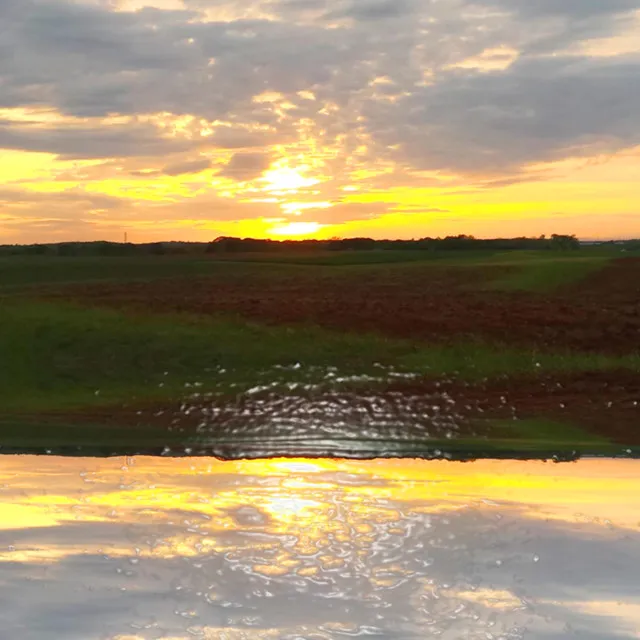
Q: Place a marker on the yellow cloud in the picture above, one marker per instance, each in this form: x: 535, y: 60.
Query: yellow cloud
x: 492, y: 59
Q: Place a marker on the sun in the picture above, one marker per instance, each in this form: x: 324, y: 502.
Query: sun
x: 287, y: 180
x: 295, y: 229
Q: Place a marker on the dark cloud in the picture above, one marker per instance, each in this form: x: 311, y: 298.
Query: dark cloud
x: 575, y: 9
x: 365, y: 10
x: 92, y: 141
x: 246, y: 166
x: 553, y: 26
x: 147, y: 61
x: 189, y: 166
x: 90, y: 62
x: 238, y: 138
x: 537, y: 110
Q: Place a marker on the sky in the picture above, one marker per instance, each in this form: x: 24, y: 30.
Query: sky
x: 192, y: 119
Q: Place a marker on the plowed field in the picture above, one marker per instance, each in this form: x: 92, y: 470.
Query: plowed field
x: 600, y: 314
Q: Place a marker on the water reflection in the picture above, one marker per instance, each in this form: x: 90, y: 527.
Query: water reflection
x: 318, y: 549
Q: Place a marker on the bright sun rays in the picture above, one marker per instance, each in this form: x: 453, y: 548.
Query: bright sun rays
x: 295, y: 229
x: 287, y: 180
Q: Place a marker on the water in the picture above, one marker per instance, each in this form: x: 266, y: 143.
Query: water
x: 150, y: 548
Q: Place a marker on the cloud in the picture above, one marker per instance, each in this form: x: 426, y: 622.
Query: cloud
x: 575, y: 9
x: 369, y: 88
x: 555, y: 26
x: 235, y: 138
x: 343, y: 212
x: 366, y: 10
x: 29, y: 216
x: 207, y: 207
x: 28, y: 230
x: 15, y: 196
x: 246, y: 166
x: 189, y: 166
x: 91, y: 141
x: 538, y: 110
x: 153, y: 61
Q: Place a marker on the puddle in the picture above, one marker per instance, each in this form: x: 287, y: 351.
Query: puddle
x: 151, y: 549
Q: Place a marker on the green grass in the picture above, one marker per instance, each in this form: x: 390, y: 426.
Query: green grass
x: 58, y: 355
x: 374, y: 257
x: 475, y: 360
x: 20, y: 273
x: 16, y: 273
x: 533, y: 270
x: 46, y: 434
x: 544, y: 430
x: 542, y: 275
x: 544, y: 271
x: 565, y: 442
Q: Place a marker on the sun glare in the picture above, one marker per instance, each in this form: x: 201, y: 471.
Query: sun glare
x: 295, y: 208
x: 286, y: 179
x: 296, y: 229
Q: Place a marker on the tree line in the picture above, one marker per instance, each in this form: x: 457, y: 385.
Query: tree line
x: 227, y: 245
x: 456, y: 243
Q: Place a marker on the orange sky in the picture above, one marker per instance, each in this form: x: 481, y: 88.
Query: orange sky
x: 190, y: 119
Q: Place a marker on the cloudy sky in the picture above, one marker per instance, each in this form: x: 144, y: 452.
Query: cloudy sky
x: 189, y: 119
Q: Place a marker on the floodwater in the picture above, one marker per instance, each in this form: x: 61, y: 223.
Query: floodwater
x: 323, y: 412
x: 299, y: 549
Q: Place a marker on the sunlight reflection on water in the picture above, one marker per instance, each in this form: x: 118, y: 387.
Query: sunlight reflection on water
x: 317, y: 549
x: 319, y: 404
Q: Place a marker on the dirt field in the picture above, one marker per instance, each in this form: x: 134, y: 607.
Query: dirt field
x: 453, y: 303
x: 432, y: 303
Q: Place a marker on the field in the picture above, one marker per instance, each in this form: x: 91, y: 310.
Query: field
x: 462, y: 353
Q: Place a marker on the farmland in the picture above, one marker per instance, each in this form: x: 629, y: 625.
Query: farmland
x: 524, y: 351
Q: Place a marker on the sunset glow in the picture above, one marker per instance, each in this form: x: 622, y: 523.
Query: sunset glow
x: 286, y: 180
x: 380, y: 119
x: 296, y: 229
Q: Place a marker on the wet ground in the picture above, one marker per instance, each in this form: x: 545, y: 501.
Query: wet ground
x: 392, y: 413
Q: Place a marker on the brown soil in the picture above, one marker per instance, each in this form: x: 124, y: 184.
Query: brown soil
x: 430, y: 303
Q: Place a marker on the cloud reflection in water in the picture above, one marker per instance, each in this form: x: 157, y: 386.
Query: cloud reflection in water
x: 300, y: 549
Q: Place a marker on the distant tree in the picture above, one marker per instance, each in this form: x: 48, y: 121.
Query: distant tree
x: 228, y: 244
x: 564, y: 242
